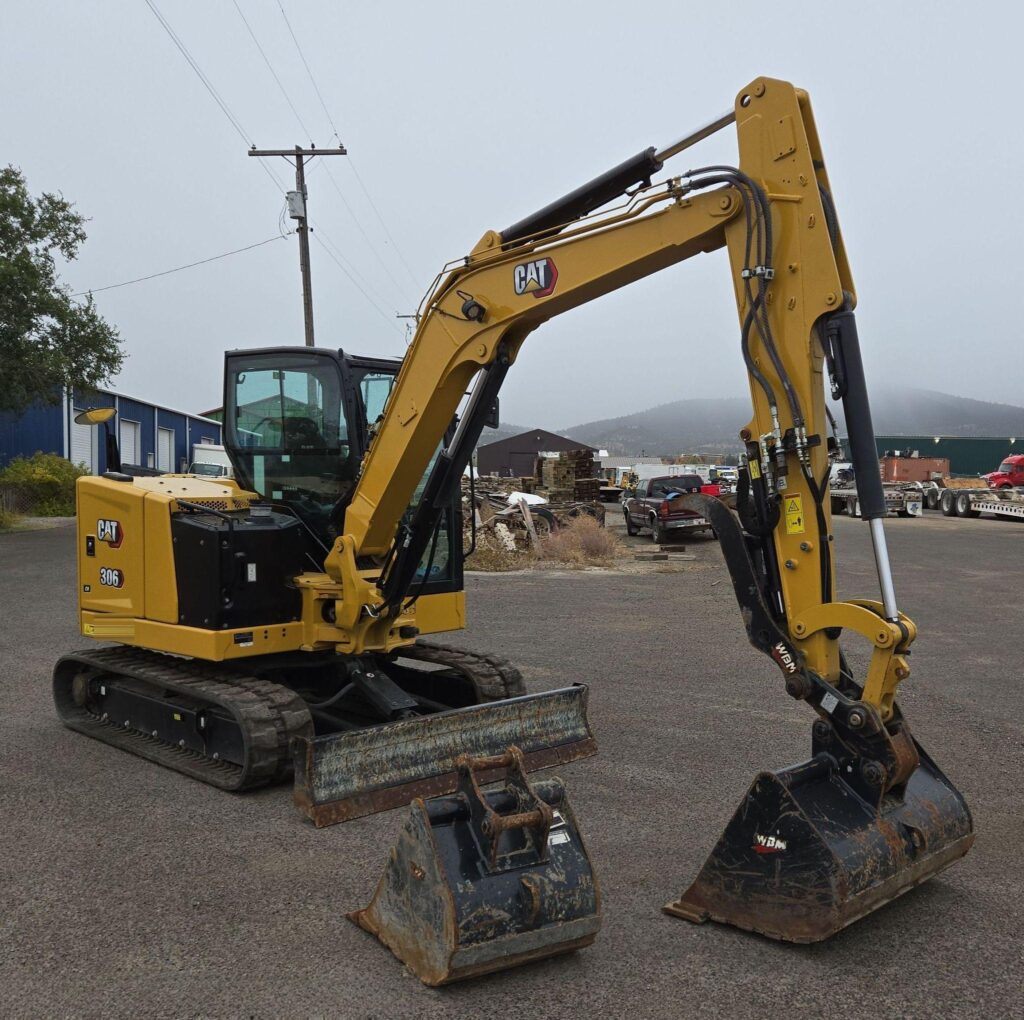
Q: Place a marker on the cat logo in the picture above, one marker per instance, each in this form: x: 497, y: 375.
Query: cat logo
x: 109, y: 532
x: 537, y: 278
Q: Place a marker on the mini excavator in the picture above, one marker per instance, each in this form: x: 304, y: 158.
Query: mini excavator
x: 280, y: 620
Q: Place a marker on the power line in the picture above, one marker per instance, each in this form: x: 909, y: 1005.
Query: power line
x: 209, y: 86
x: 337, y: 138
x: 178, y: 269
x: 337, y: 261
x: 334, y: 181
x: 233, y: 120
x: 244, y: 135
x: 270, y: 68
x: 380, y: 219
x: 337, y: 187
x: 302, y: 57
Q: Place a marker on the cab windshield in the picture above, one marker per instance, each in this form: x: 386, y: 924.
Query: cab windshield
x: 287, y: 431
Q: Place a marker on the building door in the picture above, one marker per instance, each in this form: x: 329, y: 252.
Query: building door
x: 165, y: 449
x: 84, y: 444
x: 130, y: 451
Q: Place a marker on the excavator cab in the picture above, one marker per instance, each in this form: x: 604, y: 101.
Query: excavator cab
x: 297, y: 424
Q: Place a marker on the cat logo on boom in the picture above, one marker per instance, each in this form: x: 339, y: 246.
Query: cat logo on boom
x: 537, y: 277
x: 110, y: 532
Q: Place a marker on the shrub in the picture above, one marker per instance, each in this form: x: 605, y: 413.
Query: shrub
x: 45, y: 482
x: 582, y: 542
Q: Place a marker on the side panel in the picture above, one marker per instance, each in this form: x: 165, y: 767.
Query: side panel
x: 437, y: 613
x: 161, y: 583
x: 111, y: 526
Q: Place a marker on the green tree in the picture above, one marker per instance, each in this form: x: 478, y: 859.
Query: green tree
x: 47, y: 339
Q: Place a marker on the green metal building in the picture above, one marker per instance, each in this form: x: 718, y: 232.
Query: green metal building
x: 968, y: 455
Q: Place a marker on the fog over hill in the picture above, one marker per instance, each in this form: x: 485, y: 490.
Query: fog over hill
x: 711, y: 423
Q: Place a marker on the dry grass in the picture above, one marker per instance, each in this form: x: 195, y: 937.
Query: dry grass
x: 582, y: 542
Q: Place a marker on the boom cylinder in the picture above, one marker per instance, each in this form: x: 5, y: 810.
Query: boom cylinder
x: 851, y: 385
x: 588, y: 197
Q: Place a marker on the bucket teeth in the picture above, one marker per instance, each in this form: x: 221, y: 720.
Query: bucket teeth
x: 805, y: 855
x: 480, y: 882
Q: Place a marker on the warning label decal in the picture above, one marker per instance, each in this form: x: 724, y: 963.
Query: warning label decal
x: 794, y: 515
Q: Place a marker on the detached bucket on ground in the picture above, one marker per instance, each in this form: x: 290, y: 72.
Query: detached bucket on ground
x: 480, y: 882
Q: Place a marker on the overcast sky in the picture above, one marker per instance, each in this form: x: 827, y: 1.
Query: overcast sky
x: 461, y: 117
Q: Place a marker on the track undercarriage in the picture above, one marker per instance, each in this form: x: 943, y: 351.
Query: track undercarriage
x: 240, y: 726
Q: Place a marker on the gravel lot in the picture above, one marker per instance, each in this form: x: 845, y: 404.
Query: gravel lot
x: 128, y: 890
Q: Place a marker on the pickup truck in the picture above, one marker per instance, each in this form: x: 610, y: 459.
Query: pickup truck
x: 655, y: 503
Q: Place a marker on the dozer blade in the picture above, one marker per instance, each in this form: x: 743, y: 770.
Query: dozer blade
x: 805, y: 855
x: 346, y: 775
x: 481, y: 882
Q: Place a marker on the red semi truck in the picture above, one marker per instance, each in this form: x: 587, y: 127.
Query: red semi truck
x: 1008, y: 475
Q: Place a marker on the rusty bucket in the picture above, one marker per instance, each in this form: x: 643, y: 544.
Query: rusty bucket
x: 483, y: 881
x: 813, y: 848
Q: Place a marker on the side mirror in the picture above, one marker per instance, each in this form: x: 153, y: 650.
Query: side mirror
x: 102, y: 416
x: 94, y: 416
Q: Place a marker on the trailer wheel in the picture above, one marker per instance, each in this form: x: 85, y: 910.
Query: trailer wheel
x: 948, y: 503
x: 931, y: 499
x: 963, y: 505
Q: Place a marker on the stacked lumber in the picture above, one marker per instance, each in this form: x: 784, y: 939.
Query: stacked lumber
x: 557, y: 474
x: 587, y: 490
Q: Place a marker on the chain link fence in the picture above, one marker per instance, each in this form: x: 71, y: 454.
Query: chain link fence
x: 15, y: 499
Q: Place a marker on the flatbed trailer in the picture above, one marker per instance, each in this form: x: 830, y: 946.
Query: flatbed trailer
x: 964, y: 502
x: 900, y: 500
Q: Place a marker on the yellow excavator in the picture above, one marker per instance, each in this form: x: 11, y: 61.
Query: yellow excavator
x: 281, y: 616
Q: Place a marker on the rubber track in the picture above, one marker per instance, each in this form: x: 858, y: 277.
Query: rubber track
x: 268, y: 714
x: 494, y: 677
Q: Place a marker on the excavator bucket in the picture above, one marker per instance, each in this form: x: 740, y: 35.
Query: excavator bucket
x: 344, y: 775
x: 807, y: 853
x: 480, y: 882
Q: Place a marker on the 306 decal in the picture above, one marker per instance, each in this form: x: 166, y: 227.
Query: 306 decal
x: 111, y: 577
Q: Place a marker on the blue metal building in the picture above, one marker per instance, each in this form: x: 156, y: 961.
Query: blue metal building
x: 150, y: 435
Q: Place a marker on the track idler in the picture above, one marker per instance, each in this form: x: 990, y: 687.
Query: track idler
x: 814, y: 847
x: 480, y: 882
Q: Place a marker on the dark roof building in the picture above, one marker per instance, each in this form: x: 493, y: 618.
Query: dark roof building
x: 515, y: 457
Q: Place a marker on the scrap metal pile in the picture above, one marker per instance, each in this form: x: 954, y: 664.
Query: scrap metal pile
x: 513, y: 517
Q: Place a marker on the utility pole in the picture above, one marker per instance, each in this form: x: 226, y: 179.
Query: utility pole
x: 297, y: 201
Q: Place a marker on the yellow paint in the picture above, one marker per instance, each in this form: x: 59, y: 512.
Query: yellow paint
x: 795, y: 523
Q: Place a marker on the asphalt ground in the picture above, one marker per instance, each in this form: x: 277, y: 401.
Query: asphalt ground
x: 128, y: 890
